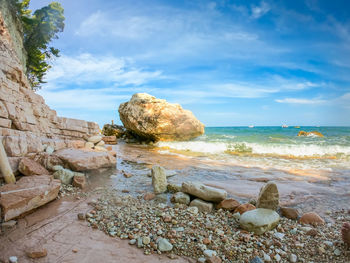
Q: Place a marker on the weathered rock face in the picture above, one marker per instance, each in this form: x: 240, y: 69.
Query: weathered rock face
x: 27, y: 194
x: 268, y: 197
x: 259, y: 220
x: 157, y: 120
x: 204, y: 192
x: 81, y: 160
x: 26, y: 122
x: 181, y: 198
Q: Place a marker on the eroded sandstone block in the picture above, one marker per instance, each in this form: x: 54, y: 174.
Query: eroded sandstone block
x: 27, y: 194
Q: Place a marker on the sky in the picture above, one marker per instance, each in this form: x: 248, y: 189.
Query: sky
x: 231, y: 62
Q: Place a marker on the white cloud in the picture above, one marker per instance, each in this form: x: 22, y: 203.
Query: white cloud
x: 301, y: 101
x: 86, y: 68
x: 259, y: 11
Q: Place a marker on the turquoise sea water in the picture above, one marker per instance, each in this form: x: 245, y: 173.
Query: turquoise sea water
x: 270, y: 147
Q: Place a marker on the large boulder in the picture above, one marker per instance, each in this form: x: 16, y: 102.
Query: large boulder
x: 80, y: 160
x: 204, y: 192
x: 157, y: 120
x: 27, y: 194
x: 259, y: 220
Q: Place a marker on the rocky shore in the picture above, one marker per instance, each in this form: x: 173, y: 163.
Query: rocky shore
x: 216, y: 236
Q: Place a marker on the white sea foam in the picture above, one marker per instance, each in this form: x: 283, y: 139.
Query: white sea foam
x: 298, y: 150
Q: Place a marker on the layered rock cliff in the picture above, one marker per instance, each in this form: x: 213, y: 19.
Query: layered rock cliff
x: 27, y: 124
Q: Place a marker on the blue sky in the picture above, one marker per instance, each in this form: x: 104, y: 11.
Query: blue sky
x: 230, y: 62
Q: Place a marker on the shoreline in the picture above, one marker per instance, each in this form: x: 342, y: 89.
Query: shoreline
x: 91, y: 244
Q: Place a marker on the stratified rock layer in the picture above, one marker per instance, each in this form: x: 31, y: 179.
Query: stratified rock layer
x: 27, y: 124
x: 157, y: 120
x: 83, y: 160
x: 27, y: 194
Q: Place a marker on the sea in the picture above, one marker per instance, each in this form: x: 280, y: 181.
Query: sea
x: 312, y: 173
x: 269, y: 147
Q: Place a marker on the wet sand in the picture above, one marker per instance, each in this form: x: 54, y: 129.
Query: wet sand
x: 309, y: 190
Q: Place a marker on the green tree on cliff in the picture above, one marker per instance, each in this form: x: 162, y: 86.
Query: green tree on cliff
x: 39, y: 29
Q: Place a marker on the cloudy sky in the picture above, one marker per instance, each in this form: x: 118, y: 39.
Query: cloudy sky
x: 231, y: 62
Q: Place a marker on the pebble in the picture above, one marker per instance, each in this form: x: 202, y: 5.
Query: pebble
x: 209, y: 253
x: 293, y: 258
x: 146, y: 240
x: 277, y: 257
x: 193, y: 210
x: 267, y: 258
x: 256, y: 260
x: 201, y: 260
x: 13, y: 259
x: 132, y: 242
x: 139, y: 242
x: 279, y: 235
x: 164, y: 245
x: 337, y: 252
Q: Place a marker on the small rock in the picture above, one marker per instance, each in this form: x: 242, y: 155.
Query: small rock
x: 228, y: 204
x: 49, y: 149
x: 256, y: 260
x: 74, y: 250
x: 13, y: 259
x: 146, y: 240
x: 181, y: 198
x: 79, y: 181
x: 267, y: 258
x: 164, y: 245
x: 337, y: 252
x: 204, y: 192
x: 193, y: 210
x: 65, y: 175
x: 268, y: 197
x: 81, y: 216
x: 277, y: 257
x: 311, y: 219
x: 202, y: 205
x: 149, y: 196
x: 36, y: 252
x: 159, y: 180
x: 174, y: 188
x: 312, y: 232
x: 279, y: 235
x: 244, y: 208
x: 213, y: 259
x: 95, y: 139
x: 201, y: 260
x: 209, y: 253
x: 259, y: 220
x: 293, y: 258
x: 132, y: 242
x: 139, y: 242
x: 290, y: 213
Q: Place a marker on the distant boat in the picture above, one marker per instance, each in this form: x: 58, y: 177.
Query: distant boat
x: 297, y: 127
x: 251, y: 126
x: 284, y: 126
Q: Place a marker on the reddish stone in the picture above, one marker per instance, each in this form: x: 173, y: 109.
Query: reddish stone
x: 79, y: 181
x: 312, y: 232
x: 29, y: 167
x: 244, y: 208
x: 109, y: 148
x: 149, y: 196
x: 36, y: 252
x: 206, y: 241
x: 290, y: 213
x: 213, y: 259
x: 27, y: 194
x: 311, y: 219
x: 228, y: 204
x: 110, y: 139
